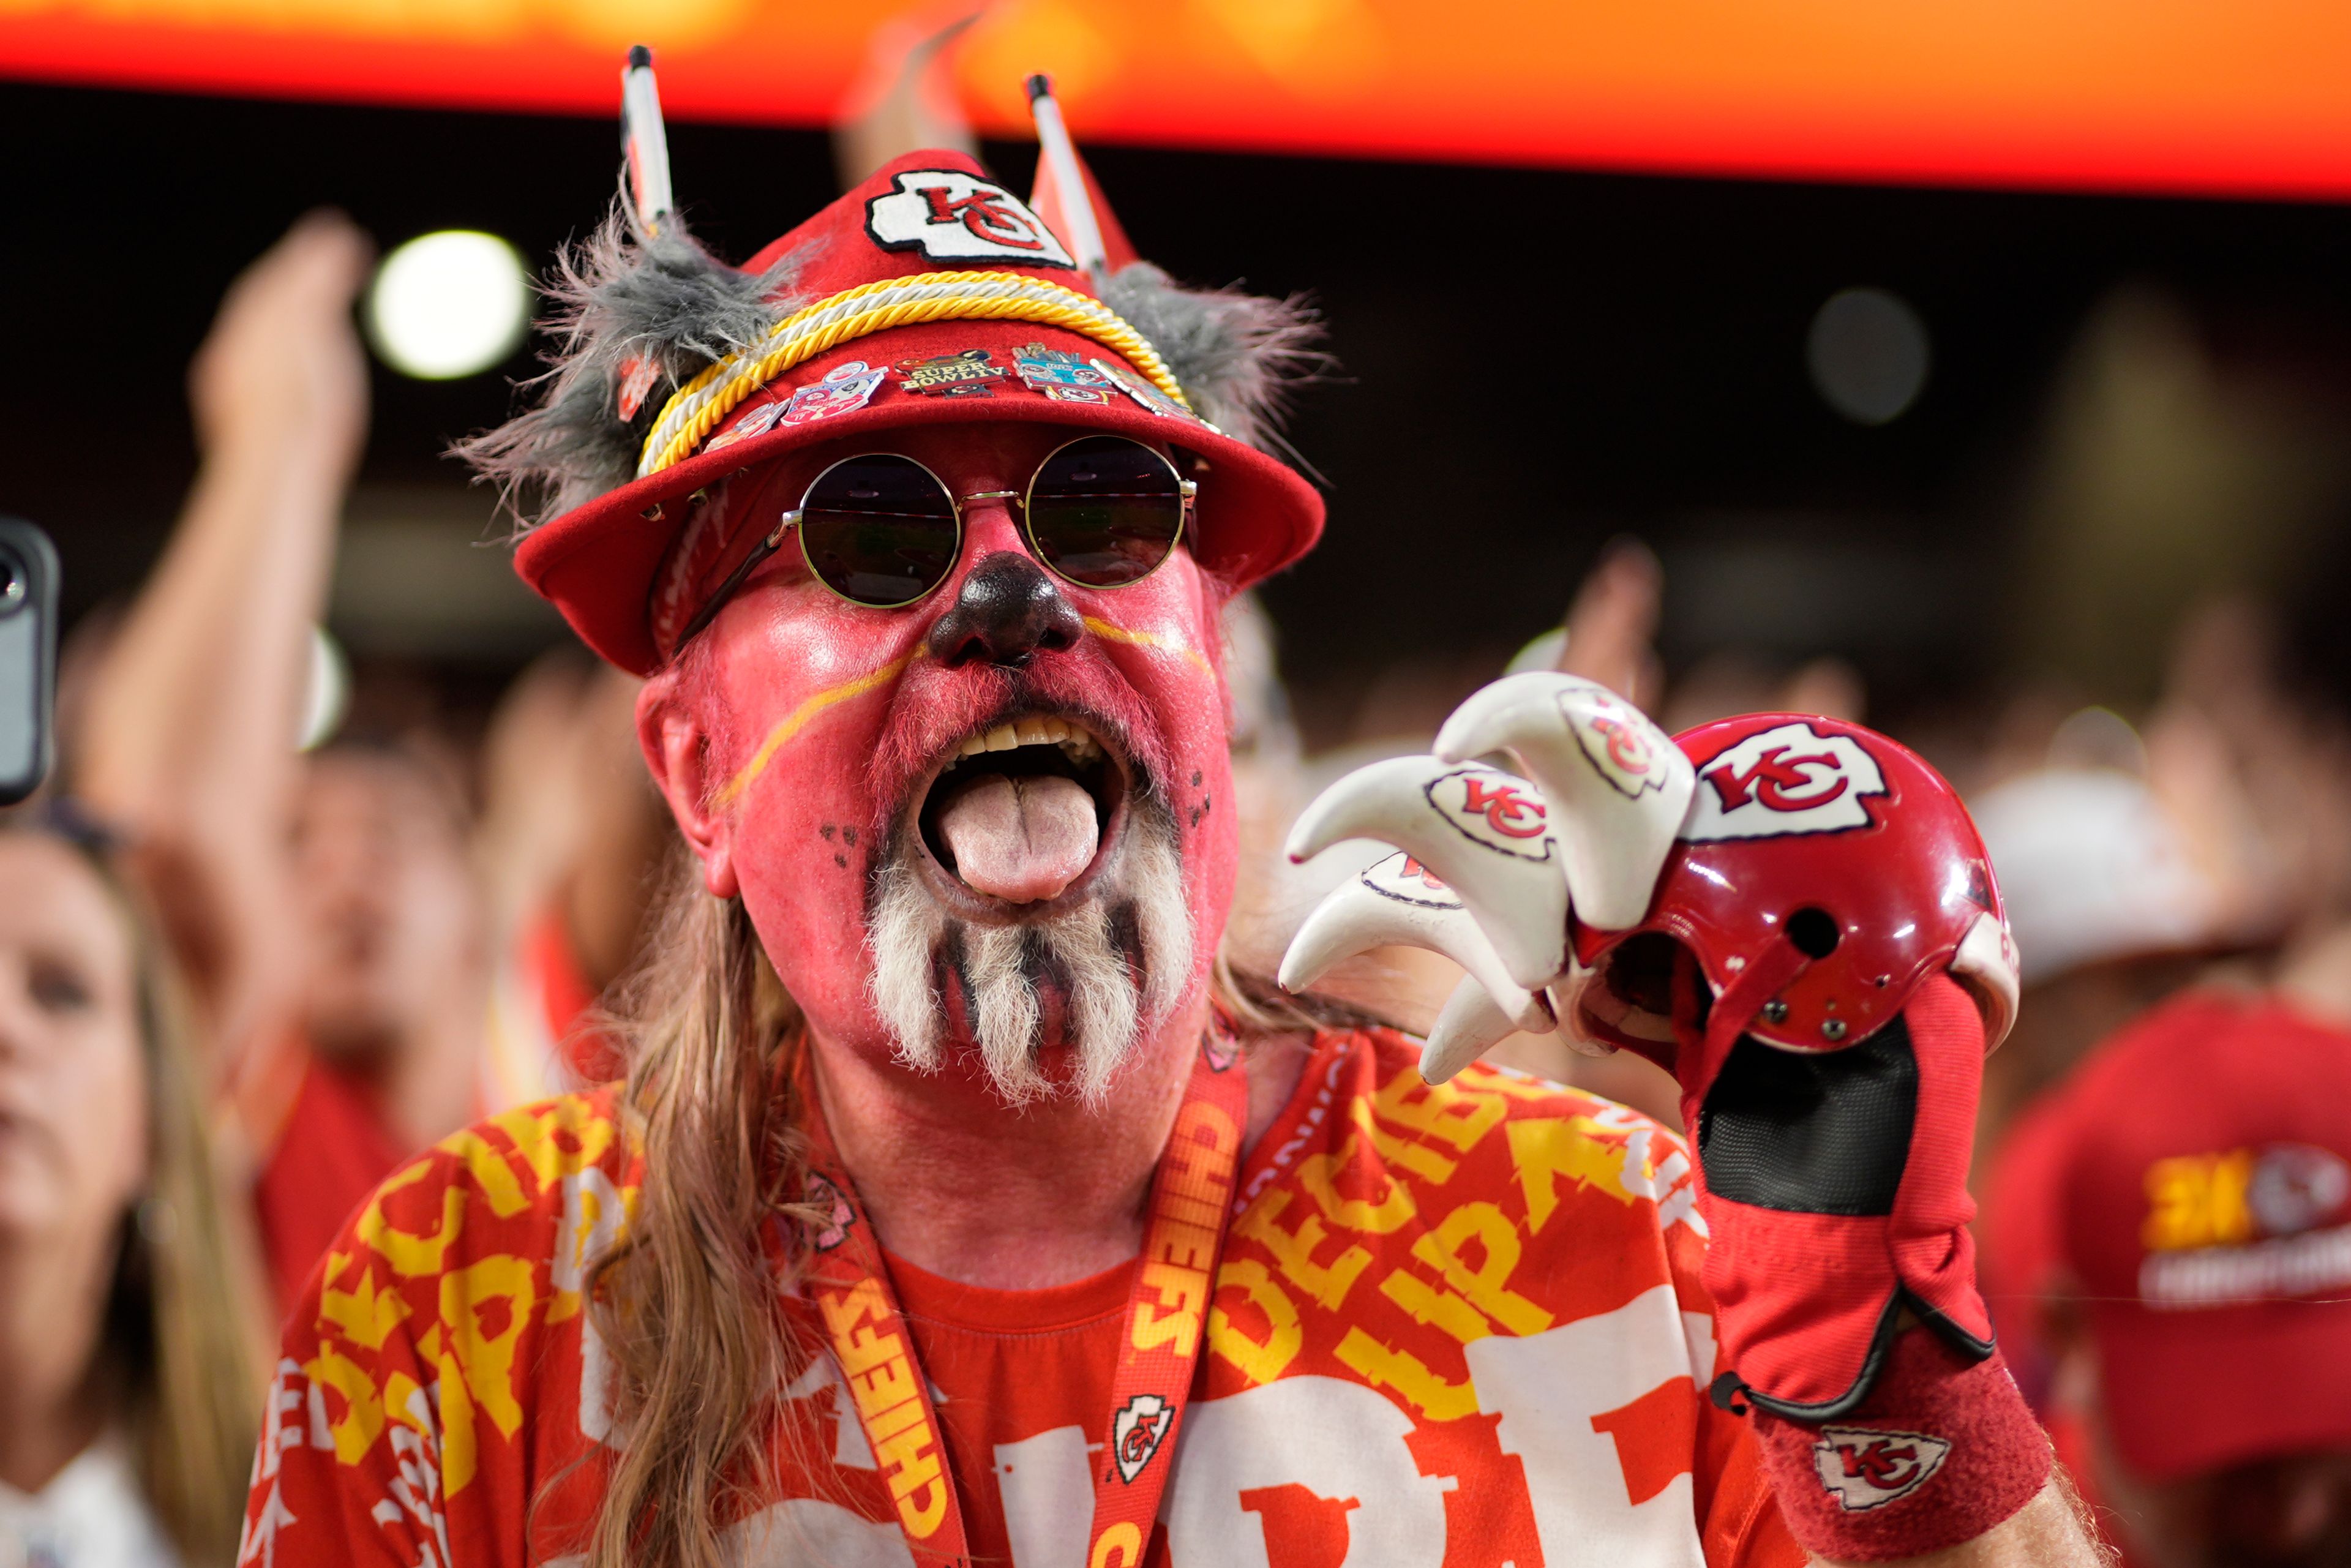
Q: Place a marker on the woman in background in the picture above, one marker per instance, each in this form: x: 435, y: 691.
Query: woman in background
x: 128, y: 1397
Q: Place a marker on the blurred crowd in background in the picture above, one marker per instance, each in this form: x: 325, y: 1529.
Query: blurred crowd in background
x: 276, y: 927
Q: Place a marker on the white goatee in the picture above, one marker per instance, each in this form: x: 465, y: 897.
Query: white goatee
x: 915, y: 942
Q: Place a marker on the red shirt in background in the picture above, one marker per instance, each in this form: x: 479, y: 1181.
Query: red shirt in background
x: 332, y: 1151
x: 541, y: 1039
x: 331, y: 1143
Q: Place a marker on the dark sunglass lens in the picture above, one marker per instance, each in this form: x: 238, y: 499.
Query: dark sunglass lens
x: 880, y: 530
x: 1106, y: 511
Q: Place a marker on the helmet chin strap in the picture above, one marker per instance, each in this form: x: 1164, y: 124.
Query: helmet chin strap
x: 1767, y: 974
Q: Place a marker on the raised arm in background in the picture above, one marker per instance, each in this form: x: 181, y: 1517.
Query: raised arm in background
x: 188, y: 737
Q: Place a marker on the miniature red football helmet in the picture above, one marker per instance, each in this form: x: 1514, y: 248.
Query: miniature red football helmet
x: 1826, y: 835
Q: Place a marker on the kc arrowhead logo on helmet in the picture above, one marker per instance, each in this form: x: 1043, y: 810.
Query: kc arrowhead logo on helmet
x: 1791, y: 778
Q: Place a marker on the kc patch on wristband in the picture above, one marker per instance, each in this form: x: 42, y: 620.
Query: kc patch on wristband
x: 1863, y: 1467
x: 1857, y: 1491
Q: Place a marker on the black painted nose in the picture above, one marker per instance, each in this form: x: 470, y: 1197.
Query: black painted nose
x: 1008, y: 609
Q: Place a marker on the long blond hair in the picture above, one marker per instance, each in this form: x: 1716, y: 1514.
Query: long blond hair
x: 687, y: 1304
x: 177, y: 1344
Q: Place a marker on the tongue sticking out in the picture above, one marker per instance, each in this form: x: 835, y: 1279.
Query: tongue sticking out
x: 1020, y: 839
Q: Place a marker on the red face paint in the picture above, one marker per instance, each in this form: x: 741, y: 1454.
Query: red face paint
x: 828, y: 722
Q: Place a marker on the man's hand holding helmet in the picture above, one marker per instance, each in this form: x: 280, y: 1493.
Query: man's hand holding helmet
x: 1794, y: 916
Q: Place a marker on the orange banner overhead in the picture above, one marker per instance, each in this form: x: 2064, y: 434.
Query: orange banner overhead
x: 2188, y: 96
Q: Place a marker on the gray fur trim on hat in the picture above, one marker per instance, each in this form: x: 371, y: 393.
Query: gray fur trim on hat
x: 621, y: 295
x: 1236, y: 355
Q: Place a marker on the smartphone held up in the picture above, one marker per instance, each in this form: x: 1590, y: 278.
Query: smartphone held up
x: 28, y: 656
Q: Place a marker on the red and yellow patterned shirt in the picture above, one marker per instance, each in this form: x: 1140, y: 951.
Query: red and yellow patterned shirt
x: 1454, y: 1327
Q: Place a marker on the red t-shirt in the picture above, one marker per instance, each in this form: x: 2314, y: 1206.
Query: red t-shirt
x: 333, y: 1146
x: 1454, y: 1327
x: 539, y: 1040
x: 330, y: 1153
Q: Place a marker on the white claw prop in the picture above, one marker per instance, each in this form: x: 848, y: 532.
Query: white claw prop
x: 1398, y: 903
x: 1617, y: 786
x: 1470, y: 1026
x: 1483, y: 832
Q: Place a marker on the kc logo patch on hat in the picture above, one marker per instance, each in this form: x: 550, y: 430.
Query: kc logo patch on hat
x: 2247, y: 1225
x: 950, y: 216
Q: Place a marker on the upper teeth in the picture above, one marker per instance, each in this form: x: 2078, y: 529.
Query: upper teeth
x: 1037, y: 730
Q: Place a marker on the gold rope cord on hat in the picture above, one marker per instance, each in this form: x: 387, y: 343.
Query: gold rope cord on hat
x: 698, y: 407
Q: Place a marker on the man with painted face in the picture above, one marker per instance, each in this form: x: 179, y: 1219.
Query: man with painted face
x: 959, y: 1205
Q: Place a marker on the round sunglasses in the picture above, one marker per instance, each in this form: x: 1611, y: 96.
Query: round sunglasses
x: 884, y: 531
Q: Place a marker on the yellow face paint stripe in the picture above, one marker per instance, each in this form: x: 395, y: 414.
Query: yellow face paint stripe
x: 800, y: 717
x: 1109, y: 632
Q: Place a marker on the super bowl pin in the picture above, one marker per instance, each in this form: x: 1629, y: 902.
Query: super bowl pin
x: 966, y: 375
x: 759, y: 422
x: 1141, y: 390
x: 846, y: 388
x: 1065, y: 378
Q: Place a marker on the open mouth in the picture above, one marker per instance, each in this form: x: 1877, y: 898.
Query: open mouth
x: 1024, y: 809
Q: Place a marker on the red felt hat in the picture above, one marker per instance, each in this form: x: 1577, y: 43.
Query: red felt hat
x: 928, y: 260
x: 2196, y: 1173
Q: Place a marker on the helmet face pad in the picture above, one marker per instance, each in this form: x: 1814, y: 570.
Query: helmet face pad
x: 1818, y: 1132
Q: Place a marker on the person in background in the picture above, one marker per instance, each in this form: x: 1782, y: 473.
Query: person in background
x: 572, y: 843
x: 2210, y: 839
x: 2114, y: 912
x: 2113, y: 907
x: 2191, y: 1204
x: 325, y: 906
x: 128, y: 1391
x: 383, y: 1048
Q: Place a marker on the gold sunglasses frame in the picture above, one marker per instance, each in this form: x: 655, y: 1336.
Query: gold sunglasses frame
x: 1187, y: 491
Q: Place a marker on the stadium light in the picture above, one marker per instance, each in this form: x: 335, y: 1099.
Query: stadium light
x: 448, y: 304
x: 1869, y: 354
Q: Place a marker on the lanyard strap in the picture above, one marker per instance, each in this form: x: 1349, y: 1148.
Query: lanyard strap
x: 1159, y: 1349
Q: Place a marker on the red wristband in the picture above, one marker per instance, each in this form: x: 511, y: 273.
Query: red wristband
x: 1943, y: 1449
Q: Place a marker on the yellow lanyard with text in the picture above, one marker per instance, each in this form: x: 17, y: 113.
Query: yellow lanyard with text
x: 1166, y: 1318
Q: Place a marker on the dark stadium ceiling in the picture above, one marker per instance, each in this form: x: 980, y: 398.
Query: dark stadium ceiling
x: 1530, y: 361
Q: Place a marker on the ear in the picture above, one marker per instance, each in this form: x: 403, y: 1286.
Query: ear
x: 677, y: 745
